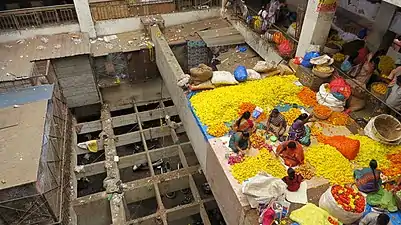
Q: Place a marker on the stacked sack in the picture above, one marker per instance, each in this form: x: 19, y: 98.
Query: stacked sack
x: 334, y: 94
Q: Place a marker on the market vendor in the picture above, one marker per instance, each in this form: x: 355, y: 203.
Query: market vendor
x: 291, y: 152
x: 239, y: 142
x: 244, y: 123
x: 293, y: 180
x: 276, y: 124
x: 374, y: 218
x: 368, y: 180
x: 395, y: 73
x: 393, y: 98
x: 299, y: 131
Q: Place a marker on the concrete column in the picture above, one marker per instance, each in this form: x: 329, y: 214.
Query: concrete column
x: 379, y: 37
x: 85, y: 17
x: 315, y: 28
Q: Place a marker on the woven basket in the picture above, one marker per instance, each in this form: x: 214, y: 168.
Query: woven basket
x: 385, y: 128
x: 321, y: 74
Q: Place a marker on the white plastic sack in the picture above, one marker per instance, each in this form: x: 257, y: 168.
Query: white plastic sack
x: 262, y: 188
x: 326, y: 98
x: 264, y: 66
x: 223, y: 77
x: 253, y: 75
x: 328, y: 203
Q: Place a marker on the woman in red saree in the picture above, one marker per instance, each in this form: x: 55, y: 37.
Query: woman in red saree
x: 244, y: 123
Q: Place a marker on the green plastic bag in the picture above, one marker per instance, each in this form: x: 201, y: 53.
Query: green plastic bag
x: 382, y: 199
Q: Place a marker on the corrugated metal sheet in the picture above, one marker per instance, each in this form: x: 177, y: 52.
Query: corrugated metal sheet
x: 125, y: 42
x: 26, y: 95
x: 221, y: 37
x: 61, y: 45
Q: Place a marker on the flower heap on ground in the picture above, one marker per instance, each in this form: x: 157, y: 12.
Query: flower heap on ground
x: 371, y: 149
x: 264, y: 161
x: 220, y: 105
x: 330, y: 164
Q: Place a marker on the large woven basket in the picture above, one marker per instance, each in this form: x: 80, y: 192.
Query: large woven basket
x: 321, y: 74
x: 386, y: 127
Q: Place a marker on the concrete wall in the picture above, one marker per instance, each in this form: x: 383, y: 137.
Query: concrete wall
x: 76, y: 79
x: 169, y: 68
x: 108, y: 27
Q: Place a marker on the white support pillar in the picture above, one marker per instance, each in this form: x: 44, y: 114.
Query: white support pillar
x: 85, y: 17
x: 379, y: 37
x: 315, y: 28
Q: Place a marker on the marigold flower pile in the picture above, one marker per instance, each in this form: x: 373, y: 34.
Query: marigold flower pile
x: 307, y: 97
x: 264, y: 161
x: 291, y: 114
x: 371, y: 149
x: 338, y: 119
x: 217, y: 130
x: 330, y: 164
x: 220, y: 105
x: 395, y: 168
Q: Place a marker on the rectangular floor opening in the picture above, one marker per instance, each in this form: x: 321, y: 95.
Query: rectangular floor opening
x: 177, y: 198
x: 202, y: 185
x: 88, y: 136
x: 135, y: 172
x: 90, y: 157
x: 169, y: 164
x: 142, y: 208
x: 122, y: 112
x: 130, y: 149
x: 193, y: 219
x: 152, y: 123
x: 90, y: 185
x: 159, y: 142
x: 168, y: 103
x: 126, y: 129
x: 148, y: 106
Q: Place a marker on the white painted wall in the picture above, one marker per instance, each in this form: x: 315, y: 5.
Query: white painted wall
x: 29, y: 33
x: 394, y: 2
x: 108, y: 27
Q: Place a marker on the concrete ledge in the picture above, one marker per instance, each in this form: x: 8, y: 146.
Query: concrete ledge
x: 7, y: 36
x: 259, y: 45
x: 108, y: 27
x: 223, y: 192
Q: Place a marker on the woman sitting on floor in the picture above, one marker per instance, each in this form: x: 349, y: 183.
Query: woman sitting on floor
x: 299, y: 131
x: 244, y: 123
x: 293, y: 180
x: 291, y: 152
x: 239, y: 142
x: 276, y: 124
x: 368, y: 179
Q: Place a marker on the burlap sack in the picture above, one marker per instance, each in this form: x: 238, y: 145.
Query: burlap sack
x: 200, y: 74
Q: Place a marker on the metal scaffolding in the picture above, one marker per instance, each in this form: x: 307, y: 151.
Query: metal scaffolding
x: 45, y: 201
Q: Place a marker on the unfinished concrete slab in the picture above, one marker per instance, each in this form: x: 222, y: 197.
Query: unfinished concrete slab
x: 153, y: 161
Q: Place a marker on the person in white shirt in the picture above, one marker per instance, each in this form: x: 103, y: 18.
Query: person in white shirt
x: 394, y: 95
x: 374, y: 218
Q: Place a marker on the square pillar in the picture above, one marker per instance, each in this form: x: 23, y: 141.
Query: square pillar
x: 85, y: 20
x: 316, y: 25
x: 379, y: 37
